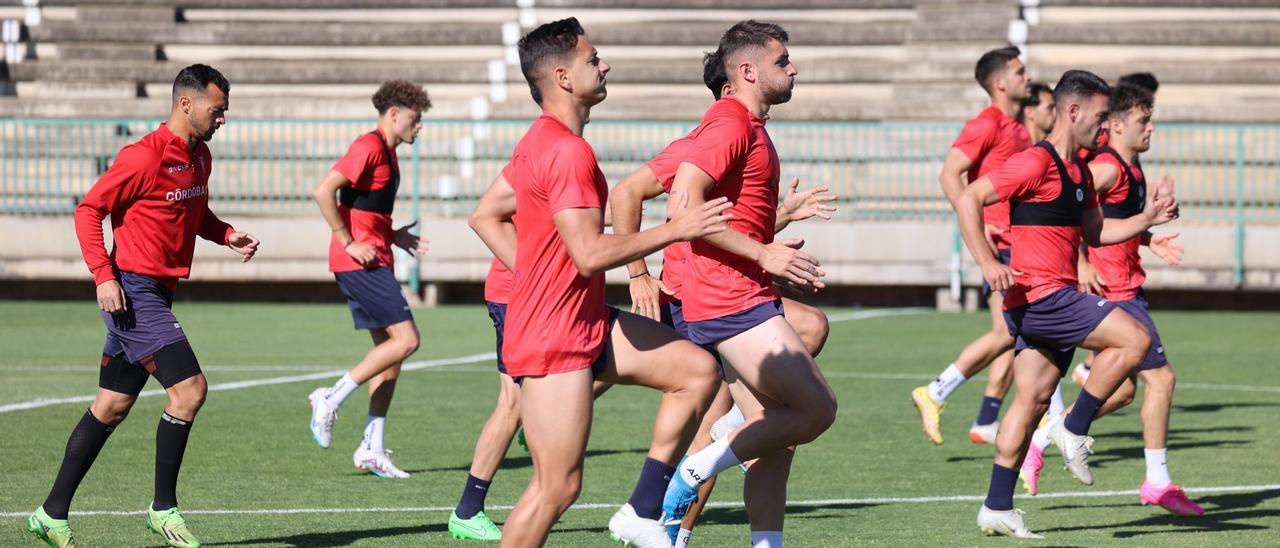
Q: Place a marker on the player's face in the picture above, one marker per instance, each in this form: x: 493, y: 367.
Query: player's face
x: 586, y: 73
x: 777, y: 74
x: 1043, y: 114
x: 1017, y: 82
x: 206, y: 112
x: 1087, y: 117
x: 1135, y: 129
x: 405, y: 123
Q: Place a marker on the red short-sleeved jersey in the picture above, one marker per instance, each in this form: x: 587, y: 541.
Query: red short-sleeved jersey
x: 1046, y: 255
x: 989, y: 140
x: 497, y: 285
x: 1119, y: 265
x: 556, y: 318
x: 367, y: 166
x: 732, y: 146
x: 675, y: 256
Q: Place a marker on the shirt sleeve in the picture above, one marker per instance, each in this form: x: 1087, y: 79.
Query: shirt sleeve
x: 667, y: 162
x: 575, y: 170
x: 720, y: 144
x: 358, y: 163
x: 214, y: 229
x: 976, y: 138
x: 1020, y: 178
x: 123, y: 182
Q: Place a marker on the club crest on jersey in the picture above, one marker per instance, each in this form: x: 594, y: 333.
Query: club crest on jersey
x: 1079, y: 194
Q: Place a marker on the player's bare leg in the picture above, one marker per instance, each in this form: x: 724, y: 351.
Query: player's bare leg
x: 809, y: 322
x: 1035, y: 377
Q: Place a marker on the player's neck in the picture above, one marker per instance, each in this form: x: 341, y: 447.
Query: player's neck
x: 754, y: 102
x: 1062, y: 140
x: 178, y: 126
x: 384, y: 126
x: 1035, y: 133
x: 573, y: 114
x: 1006, y: 105
x: 1127, y: 154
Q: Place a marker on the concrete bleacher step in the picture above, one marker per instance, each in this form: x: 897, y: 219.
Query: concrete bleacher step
x: 1174, y: 33
x: 1164, y: 3
x: 458, y: 4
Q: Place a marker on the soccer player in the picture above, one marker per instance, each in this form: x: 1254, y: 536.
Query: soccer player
x: 1121, y: 186
x: 986, y: 143
x: 356, y: 199
x: 659, y: 298
x: 559, y: 334
x: 729, y: 300
x: 157, y: 196
x: 1052, y: 206
x: 1036, y: 111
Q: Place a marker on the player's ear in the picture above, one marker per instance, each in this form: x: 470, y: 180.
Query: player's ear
x: 560, y: 75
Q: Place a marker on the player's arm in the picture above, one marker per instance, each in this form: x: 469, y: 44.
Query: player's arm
x: 594, y: 252
x: 326, y: 196
x: 491, y: 220
x: 124, y: 181
x: 626, y: 201
x: 951, y: 178
x: 1160, y: 208
x: 1105, y: 175
x: 215, y: 230
x: 781, y: 258
x: 969, y: 212
x: 798, y: 206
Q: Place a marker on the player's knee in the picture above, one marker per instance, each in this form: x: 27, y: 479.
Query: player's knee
x: 188, y: 397
x: 702, y: 374
x: 111, y: 412
x: 815, y: 333
x: 1161, y: 379
x: 562, y: 494
x: 404, y: 345
x: 818, y: 418
x: 1139, y: 345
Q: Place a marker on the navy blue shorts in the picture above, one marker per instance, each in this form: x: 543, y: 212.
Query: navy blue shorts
x: 1006, y: 258
x: 374, y: 296
x: 148, y: 325
x: 498, y: 313
x: 1057, y: 323
x: 709, y: 332
x: 597, y: 367
x: 673, y: 317
x: 1137, y: 307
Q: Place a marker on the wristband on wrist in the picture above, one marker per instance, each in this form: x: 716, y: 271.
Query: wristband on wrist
x: 639, y: 275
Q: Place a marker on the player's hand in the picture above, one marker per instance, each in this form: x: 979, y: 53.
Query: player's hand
x: 645, y: 292
x: 798, y: 206
x: 1162, y: 205
x: 1165, y: 188
x: 111, y: 297
x: 998, y: 275
x: 1165, y: 248
x: 244, y: 244
x: 783, y: 259
x: 990, y: 232
x: 691, y: 224
x: 1090, y: 281
x: 363, y: 254
x: 405, y: 239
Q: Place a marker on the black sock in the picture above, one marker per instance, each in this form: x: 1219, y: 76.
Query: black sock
x: 1082, y: 413
x: 646, y: 500
x: 990, y: 410
x: 473, y: 494
x: 83, y: 446
x: 1000, y: 492
x: 171, y: 443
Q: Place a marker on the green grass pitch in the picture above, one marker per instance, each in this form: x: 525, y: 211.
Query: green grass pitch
x: 868, y: 481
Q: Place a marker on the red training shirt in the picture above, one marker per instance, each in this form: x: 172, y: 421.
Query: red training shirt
x: 367, y: 167
x: 676, y: 255
x: 157, y: 194
x: 556, y: 319
x: 989, y: 140
x: 1119, y: 265
x: 497, y: 285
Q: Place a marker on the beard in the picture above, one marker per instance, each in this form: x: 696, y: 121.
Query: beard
x: 779, y: 94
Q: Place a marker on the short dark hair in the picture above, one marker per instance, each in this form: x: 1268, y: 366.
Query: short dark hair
x: 400, y: 93
x: 1033, y: 97
x: 1144, y: 80
x: 991, y: 63
x: 548, y: 41
x: 713, y: 74
x: 746, y: 35
x: 1126, y: 97
x: 197, y: 78
x: 1079, y: 83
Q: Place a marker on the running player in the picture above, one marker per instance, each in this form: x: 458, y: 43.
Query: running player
x: 659, y: 298
x: 987, y: 141
x: 157, y: 196
x: 1053, y: 206
x: 559, y: 333
x: 1121, y: 185
x: 356, y: 199
x: 729, y: 300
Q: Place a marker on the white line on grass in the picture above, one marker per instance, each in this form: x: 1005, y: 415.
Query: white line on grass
x: 713, y: 504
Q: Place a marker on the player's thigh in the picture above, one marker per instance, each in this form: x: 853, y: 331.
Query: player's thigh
x: 804, y: 318
x: 1118, y: 329
x: 771, y: 359
x: 556, y: 412
x: 405, y: 331
x: 647, y: 353
x: 379, y: 335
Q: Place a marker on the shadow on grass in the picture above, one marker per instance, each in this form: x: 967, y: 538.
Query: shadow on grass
x: 1101, y: 458
x: 523, y: 461
x: 1176, y: 434
x: 337, y: 538
x: 738, y: 516
x: 1224, y: 513
x: 1215, y: 407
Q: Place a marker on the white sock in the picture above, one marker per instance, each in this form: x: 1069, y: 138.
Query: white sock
x: 373, y: 428
x: 705, y: 464
x: 946, y: 383
x: 1157, y: 467
x: 682, y: 538
x: 766, y: 539
x: 1055, y: 403
x: 340, y: 390
x: 1041, y: 436
x: 733, y: 419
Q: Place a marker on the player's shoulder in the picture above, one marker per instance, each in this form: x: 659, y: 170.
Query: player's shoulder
x: 728, y: 111
x: 988, y: 120
x: 367, y: 143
